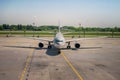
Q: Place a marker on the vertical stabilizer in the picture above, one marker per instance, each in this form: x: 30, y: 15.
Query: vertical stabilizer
x: 59, y: 26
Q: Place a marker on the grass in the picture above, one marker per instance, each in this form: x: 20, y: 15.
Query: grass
x: 49, y: 34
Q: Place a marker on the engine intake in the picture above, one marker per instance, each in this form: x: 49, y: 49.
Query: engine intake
x: 77, y: 45
x: 41, y: 45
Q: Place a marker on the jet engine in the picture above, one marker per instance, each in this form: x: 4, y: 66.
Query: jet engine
x: 41, y: 45
x: 77, y: 45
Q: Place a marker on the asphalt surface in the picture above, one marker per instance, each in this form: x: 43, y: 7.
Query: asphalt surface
x: 22, y: 59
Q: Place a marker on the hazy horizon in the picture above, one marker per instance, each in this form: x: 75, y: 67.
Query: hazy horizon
x: 96, y: 13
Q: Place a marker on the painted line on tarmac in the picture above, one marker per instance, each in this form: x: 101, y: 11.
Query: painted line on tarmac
x: 28, y: 61
x: 71, y: 66
x: 26, y: 64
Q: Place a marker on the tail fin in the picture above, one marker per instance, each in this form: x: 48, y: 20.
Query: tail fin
x: 59, y: 26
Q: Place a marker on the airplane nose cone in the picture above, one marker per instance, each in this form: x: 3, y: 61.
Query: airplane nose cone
x: 58, y: 43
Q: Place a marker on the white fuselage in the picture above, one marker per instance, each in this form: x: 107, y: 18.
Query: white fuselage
x: 59, y: 40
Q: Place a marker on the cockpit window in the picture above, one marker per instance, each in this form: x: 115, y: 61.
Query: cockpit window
x: 56, y: 40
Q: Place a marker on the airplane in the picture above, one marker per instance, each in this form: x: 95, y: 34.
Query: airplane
x: 58, y: 42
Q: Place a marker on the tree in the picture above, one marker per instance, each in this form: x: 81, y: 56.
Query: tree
x: 1, y: 27
x: 6, y: 26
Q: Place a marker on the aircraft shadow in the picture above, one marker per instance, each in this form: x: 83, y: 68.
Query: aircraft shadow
x: 37, y: 48
x: 53, y: 51
x: 81, y: 48
x: 50, y: 52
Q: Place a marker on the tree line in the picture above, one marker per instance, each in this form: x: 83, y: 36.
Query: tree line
x: 20, y: 27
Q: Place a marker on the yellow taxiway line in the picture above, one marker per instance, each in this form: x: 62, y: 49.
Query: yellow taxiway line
x: 27, y: 64
x: 71, y: 66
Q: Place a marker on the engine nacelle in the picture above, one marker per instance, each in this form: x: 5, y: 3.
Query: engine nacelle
x: 41, y: 45
x: 77, y: 45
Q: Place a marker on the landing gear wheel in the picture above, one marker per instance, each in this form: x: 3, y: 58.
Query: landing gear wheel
x: 49, y: 47
x: 59, y: 52
x: 68, y: 47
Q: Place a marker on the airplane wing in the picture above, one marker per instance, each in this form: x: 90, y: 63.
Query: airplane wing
x: 43, y: 39
x: 80, y: 39
x: 74, y: 40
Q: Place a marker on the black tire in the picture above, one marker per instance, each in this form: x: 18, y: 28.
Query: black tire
x: 68, y: 47
x: 49, y: 47
x: 59, y: 52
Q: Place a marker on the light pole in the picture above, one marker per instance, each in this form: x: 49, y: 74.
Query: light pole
x: 84, y: 32
x: 33, y: 29
x: 24, y: 31
x: 79, y: 29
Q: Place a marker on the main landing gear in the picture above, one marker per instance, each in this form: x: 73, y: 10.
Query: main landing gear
x: 68, y: 45
x: 49, y: 45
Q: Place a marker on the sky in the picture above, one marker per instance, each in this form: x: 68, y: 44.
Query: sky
x: 90, y: 13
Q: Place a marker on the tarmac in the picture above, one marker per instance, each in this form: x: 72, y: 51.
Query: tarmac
x: 22, y: 59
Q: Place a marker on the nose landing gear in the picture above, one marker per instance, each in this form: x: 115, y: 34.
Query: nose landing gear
x: 59, y: 51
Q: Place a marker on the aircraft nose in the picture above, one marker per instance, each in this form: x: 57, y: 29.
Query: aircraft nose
x: 58, y: 43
